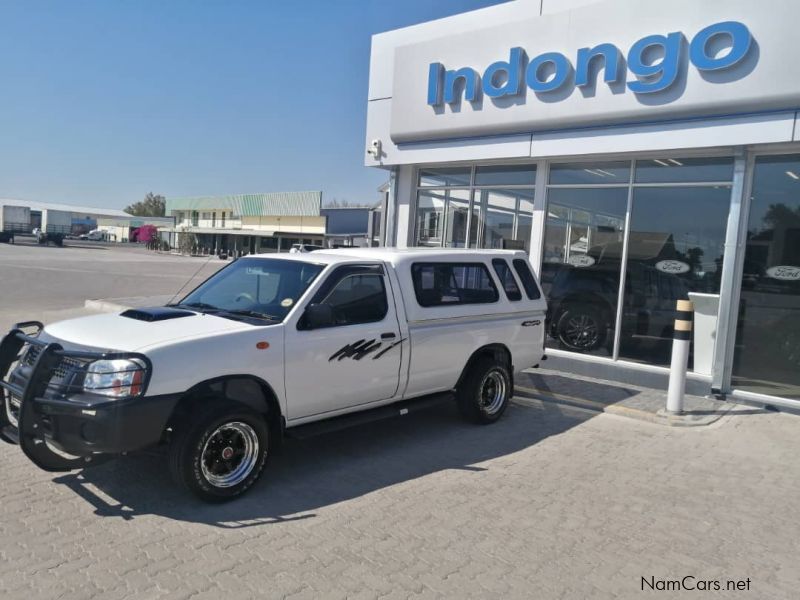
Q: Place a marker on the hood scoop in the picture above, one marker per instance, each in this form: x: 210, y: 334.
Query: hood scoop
x: 157, y: 313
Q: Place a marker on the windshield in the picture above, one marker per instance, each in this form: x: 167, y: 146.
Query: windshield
x: 264, y: 288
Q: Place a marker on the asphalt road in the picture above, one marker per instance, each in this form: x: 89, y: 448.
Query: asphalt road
x: 50, y: 283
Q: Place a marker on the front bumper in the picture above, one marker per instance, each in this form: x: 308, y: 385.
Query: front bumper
x: 62, y: 428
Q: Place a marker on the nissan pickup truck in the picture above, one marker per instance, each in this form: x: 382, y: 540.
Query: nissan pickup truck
x: 266, y: 346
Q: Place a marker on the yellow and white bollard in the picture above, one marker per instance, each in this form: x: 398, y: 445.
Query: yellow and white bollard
x: 681, y: 341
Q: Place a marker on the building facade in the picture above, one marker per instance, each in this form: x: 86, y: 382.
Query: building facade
x: 248, y: 223
x: 640, y: 151
x: 352, y: 226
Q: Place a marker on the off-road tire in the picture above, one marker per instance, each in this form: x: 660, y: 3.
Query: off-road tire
x: 189, y: 441
x: 471, y: 393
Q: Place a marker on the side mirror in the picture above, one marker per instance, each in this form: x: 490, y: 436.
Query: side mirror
x: 318, y: 315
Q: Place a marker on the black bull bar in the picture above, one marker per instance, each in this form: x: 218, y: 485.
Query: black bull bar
x: 30, y: 433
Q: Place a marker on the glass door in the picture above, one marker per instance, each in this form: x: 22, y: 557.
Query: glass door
x: 767, y: 352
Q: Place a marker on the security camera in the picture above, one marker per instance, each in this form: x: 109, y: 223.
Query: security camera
x: 374, y: 149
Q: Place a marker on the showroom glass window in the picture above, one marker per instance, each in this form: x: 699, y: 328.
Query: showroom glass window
x: 767, y: 353
x: 483, y: 206
x: 675, y: 250
x: 677, y: 210
x: 584, y: 232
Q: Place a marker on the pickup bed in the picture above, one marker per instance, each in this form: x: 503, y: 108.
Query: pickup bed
x: 268, y: 344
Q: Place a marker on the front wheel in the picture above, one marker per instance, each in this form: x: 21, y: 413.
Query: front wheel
x: 220, y: 453
x: 484, y: 394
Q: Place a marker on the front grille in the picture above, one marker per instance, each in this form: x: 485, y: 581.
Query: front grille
x: 62, y: 376
x: 31, y: 355
x: 65, y: 366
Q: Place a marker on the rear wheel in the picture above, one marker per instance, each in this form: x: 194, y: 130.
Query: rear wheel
x: 220, y: 453
x: 484, y: 393
x: 581, y: 327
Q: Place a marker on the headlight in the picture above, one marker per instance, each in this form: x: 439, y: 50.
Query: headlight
x: 115, y: 378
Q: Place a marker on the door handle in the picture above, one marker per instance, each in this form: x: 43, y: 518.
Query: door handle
x: 388, y: 336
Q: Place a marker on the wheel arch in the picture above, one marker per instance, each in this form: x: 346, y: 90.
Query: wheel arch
x: 496, y: 351
x: 248, y: 390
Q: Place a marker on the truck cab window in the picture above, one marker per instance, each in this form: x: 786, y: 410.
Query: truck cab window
x: 507, y: 279
x: 358, y: 298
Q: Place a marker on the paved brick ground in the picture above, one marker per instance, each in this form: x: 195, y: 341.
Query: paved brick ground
x: 551, y: 502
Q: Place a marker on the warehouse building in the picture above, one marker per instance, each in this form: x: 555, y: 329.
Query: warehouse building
x: 73, y: 220
x: 640, y: 151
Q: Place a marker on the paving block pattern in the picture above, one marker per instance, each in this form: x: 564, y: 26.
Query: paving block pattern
x: 551, y: 502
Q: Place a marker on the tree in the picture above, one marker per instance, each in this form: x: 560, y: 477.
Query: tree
x: 153, y: 205
x: 187, y: 241
x: 336, y: 203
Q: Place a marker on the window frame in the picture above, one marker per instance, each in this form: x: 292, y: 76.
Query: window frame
x: 528, y: 272
x: 510, y: 271
x: 339, y: 274
x: 417, y: 265
x: 477, y: 209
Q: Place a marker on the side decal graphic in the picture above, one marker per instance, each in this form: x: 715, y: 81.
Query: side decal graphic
x: 385, y: 350
x: 356, y: 350
x: 361, y: 348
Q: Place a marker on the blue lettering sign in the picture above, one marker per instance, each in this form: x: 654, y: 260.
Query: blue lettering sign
x: 740, y: 40
x: 466, y: 76
x: 612, y: 60
x: 659, y: 75
x: 561, y: 70
x: 511, y: 71
x: 655, y: 61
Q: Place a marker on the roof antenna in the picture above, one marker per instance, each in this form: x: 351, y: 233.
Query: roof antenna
x: 203, y: 266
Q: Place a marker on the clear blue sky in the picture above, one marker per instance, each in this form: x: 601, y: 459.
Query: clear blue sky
x: 102, y: 101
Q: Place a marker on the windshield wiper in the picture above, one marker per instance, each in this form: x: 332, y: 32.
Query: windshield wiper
x: 252, y: 313
x: 201, y: 306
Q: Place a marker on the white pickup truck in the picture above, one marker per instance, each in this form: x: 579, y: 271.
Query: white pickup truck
x: 267, y: 344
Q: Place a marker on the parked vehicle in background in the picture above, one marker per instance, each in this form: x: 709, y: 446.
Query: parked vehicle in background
x: 582, y: 302
x: 43, y: 238
x: 14, y: 220
x: 273, y: 343
x: 56, y: 224
x: 96, y: 235
x: 305, y: 248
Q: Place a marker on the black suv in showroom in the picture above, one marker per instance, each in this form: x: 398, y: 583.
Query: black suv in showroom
x: 582, y: 301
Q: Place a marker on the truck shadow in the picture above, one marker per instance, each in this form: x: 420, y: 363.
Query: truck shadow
x: 311, y: 474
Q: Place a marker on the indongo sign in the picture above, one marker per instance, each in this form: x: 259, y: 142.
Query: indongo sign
x: 551, y: 71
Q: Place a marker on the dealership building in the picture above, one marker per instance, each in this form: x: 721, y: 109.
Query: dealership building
x: 640, y: 151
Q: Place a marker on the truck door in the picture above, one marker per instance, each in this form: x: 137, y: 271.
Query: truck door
x: 350, y: 356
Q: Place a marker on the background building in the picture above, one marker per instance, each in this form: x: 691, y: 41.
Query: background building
x: 640, y: 151
x: 67, y: 219
x: 352, y: 226
x: 248, y: 223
